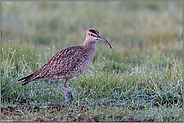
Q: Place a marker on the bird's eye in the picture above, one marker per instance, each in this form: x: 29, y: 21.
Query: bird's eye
x: 92, y: 34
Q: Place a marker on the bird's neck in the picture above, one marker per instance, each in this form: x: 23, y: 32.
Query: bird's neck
x: 90, y: 49
x: 90, y: 45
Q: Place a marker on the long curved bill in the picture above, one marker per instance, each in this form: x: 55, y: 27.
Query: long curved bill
x: 105, y: 41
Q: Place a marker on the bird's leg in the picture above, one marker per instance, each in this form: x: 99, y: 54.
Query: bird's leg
x: 70, y: 93
x: 66, y: 98
x: 65, y: 90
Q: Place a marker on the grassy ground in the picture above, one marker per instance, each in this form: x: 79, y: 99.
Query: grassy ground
x: 140, y: 79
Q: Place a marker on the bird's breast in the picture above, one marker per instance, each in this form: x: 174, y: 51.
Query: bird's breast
x: 82, y: 64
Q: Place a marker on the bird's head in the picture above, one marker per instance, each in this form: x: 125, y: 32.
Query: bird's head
x: 92, y: 35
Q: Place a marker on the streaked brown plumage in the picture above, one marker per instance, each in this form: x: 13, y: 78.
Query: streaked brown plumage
x: 68, y: 63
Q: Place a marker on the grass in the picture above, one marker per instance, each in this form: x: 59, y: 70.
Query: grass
x: 140, y: 79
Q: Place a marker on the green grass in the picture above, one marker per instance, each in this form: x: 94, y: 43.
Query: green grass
x: 140, y: 79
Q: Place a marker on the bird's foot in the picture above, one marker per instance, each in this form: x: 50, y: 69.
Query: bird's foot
x: 70, y: 96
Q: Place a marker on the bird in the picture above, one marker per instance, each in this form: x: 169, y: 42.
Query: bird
x: 68, y: 63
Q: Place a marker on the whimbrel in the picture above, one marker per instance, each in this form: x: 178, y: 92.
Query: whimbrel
x: 68, y: 63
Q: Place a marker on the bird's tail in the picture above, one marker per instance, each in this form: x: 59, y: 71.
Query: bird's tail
x: 27, y: 79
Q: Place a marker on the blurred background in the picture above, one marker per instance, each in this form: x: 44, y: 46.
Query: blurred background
x: 130, y: 27
x: 143, y: 68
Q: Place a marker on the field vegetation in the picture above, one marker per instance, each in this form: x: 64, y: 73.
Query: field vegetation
x: 139, y: 79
